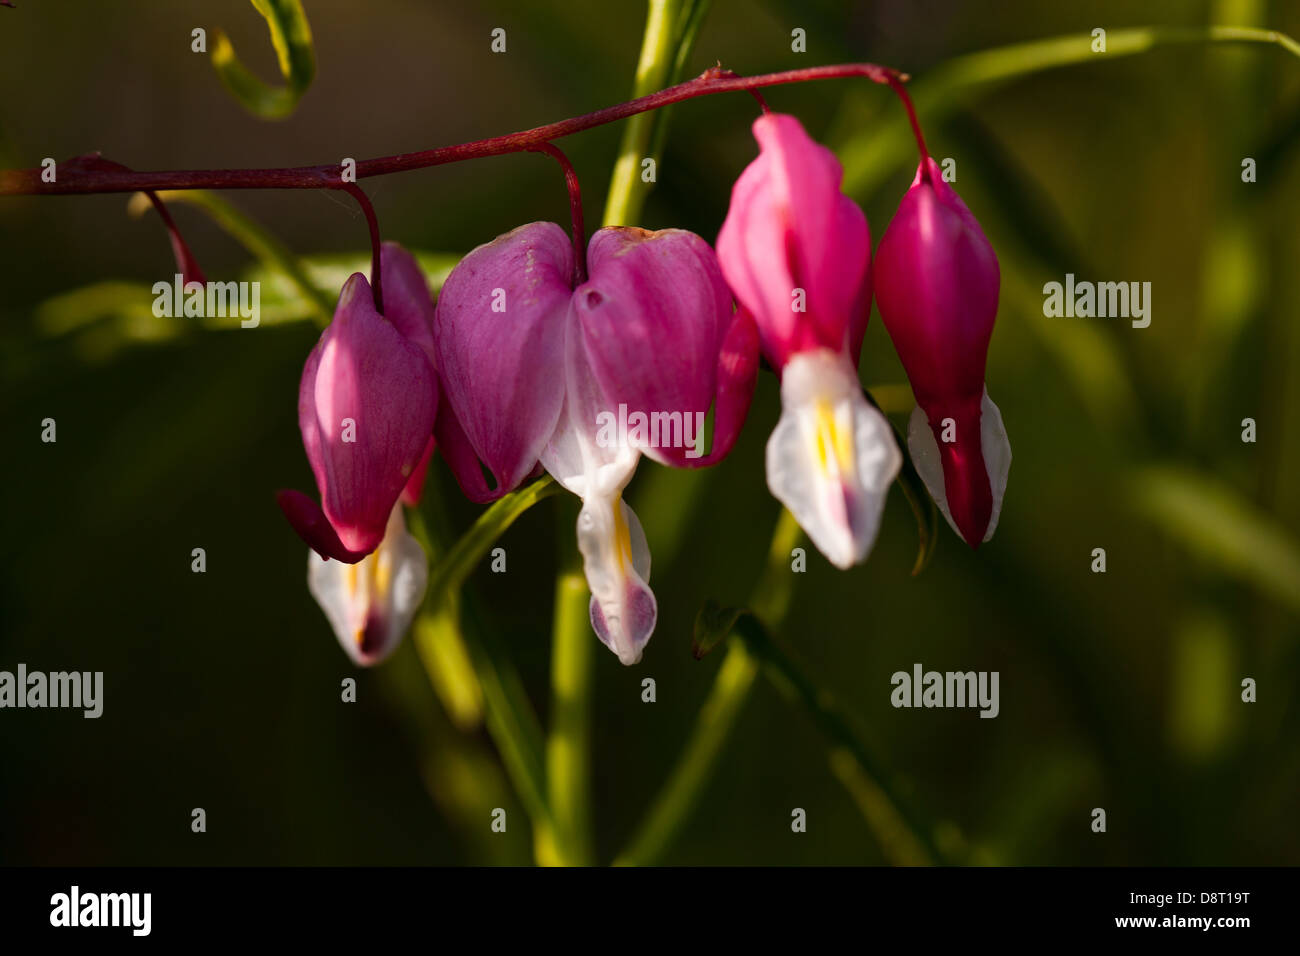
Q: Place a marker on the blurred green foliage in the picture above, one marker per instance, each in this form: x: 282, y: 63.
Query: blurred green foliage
x: 1120, y: 690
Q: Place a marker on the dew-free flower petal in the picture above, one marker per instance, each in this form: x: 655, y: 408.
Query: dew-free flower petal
x: 371, y: 604
x: 794, y: 249
x: 366, y: 408
x: 796, y: 252
x: 996, y: 455
x: 832, y: 456
x: 937, y: 279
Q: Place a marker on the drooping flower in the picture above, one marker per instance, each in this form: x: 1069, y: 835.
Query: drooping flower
x: 583, y: 381
x: 796, y: 252
x: 371, y: 604
x: 937, y: 283
x: 366, y: 409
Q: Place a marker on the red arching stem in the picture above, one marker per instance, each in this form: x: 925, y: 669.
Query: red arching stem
x: 28, y: 181
x: 896, y: 84
x: 575, y: 209
x: 376, y: 287
x: 719, y: 71
x: 185, y: 260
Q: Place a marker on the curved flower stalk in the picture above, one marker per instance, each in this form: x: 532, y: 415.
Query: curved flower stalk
x: 366, y: 410
x: 541, y: 368
x: 937, y: 283
x: 796, y: 251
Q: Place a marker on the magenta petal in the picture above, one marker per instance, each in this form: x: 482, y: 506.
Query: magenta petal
x: 407, y: 303
x: 414, y: 489
x: 736, y: 374
x: 790, y: 228
x: 937, y: 287
x: 499, y: 342
x: 461, y: 458
x: 314, y: 528
x: 366, y: 408
x: 653, y: 316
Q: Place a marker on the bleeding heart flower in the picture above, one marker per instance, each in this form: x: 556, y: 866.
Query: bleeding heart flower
x: 937, y: 283
x: 366, y: 409
x: 796, y: 251
x: 535, y: 371
x: 371, y: 604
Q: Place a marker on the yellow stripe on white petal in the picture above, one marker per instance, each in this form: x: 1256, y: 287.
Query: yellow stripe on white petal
x: 994, y: 445
x: 616, y: 561
x: 832, y: 456
x: 371, y: 604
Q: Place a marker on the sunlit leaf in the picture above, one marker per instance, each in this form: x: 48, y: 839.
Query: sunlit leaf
x: 256, y: 239
x: 291, y: 37
x: 99, y: 320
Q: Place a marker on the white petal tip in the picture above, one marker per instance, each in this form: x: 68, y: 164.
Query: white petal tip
x: 616, y: 560
x: 370, y: 605
x: 832, y: 457
x: 994, y: 445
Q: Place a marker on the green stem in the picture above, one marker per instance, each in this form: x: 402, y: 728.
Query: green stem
x: 568, y: 747
x: 721, y: 710
x: 252, y: 236
x: 447, y: 575
x: 510, y: 718
x: 670, y: 31
x: 626, y: 190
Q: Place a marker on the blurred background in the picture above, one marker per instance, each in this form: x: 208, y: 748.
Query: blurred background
x: 1119, y: 690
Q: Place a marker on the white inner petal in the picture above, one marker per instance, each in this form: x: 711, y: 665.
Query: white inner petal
x: 832, y: 456
x: 371, y: 604
x: 616, y: 561
x: 994, y: 445
x: 615, y: 557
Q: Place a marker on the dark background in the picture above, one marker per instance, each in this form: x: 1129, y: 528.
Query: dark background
x: 1119, y: 691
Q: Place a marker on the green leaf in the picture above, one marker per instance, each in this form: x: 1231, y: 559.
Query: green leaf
x: 450, y: 573
x: 291, y: 37
x: 1224, y: 529
x: 256, y: 239
x: 904, y: 837
x: 510, y: 718
x: 98, y: 321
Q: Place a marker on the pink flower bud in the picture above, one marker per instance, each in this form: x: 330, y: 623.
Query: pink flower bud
x: 366, y: 407
x: 936, y: 279
x: 796, y: 252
